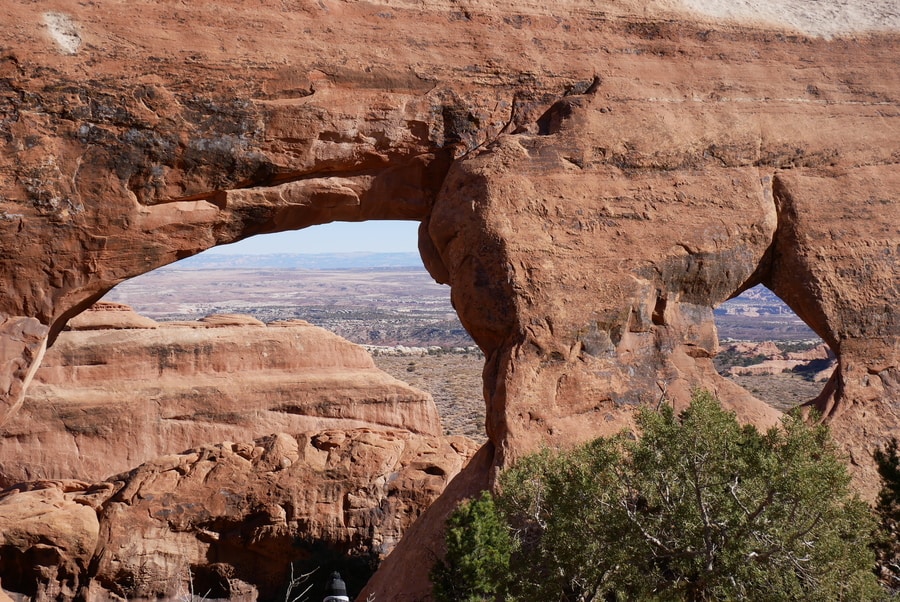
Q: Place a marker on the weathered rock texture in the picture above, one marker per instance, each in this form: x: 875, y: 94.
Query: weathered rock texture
x: 363, y: 459
x: 592, y: 178
x: 818, y: 363
x: 120, y: 390
x: 227, y: 519
x: 46, y: 538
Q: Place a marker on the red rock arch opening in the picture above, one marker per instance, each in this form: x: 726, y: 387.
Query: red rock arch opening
x: 768, y: 350
x: 351, y: 286
x: 251, y: 385
x: 586, y: 249
x: 215, y: 344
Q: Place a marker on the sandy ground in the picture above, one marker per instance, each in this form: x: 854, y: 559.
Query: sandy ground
x: 454, y: 380
x: 826, y: 18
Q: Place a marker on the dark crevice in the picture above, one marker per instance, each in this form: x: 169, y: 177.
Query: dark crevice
x: 659, y: 310
x: 551, y: 121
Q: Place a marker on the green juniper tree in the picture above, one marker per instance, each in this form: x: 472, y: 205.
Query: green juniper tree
x: 479, y: 546
x: 888, y: 507
x: 696, y: 508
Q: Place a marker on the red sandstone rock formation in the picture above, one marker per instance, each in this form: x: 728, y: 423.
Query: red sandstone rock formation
x: 819, y: 359
x: 47, y: 538
x: 766, y: 367
x: 819, y: 352
x: 104, y: 315
x: 767, y: 349
x: 592, y: 179
x: 126, y: 390
x: 120, y: 390
x: 226, y: 519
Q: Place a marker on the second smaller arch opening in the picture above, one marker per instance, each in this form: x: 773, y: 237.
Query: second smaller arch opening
x: 770, y: 351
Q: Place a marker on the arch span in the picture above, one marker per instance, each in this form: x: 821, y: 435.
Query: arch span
x: 605, y: 271
x: 138, y: 238
x: 610, y: 180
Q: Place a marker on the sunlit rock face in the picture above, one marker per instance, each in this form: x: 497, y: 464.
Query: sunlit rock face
x: 119, y: 390
x: 299, y: 450
x: 592, y: 179
x: 228, y: 518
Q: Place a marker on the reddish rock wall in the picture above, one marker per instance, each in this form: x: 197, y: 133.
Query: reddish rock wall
x: 345, y: 458
x: 120, y: 390
x: 225, y: 519
x: 611, y: 259
x: 592, y: 179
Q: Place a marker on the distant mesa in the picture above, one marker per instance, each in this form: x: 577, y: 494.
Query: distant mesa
x: 105, y: 315
x: 817, y: 363
x: 766, y: 349
x: 230, y: 320
x: 110, y: 316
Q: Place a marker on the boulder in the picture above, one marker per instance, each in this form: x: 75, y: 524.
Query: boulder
x: 48, y: 536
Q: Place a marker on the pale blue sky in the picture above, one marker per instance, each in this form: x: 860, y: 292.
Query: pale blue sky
x: 337, y: 237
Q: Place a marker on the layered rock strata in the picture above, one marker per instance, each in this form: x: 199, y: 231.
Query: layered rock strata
x: 119, y: 390
x: 818, y: 363
x: 363, y: 459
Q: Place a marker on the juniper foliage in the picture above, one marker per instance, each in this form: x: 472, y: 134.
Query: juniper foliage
x: 696, y: 508
x: 479, y: 547
x: 888, y: 508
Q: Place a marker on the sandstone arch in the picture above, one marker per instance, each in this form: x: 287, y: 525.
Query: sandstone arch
x: 585, y: 249
x: 846, y: 292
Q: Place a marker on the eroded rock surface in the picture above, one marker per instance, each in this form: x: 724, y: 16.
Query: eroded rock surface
x: 612, y: 258
x: 355, y: 457
x: 47, y: 538
x: 228, y: 518
x: 592, y: 179
x: 695, y: 151
x: 120, y: 390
